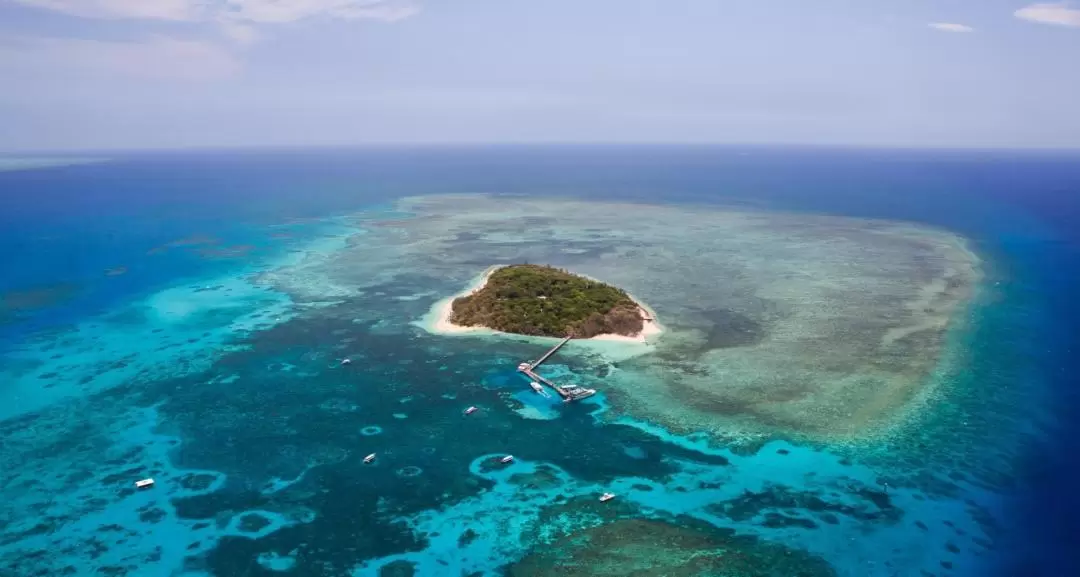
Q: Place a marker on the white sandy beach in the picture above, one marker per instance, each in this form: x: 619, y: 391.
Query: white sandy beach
x: 442, y: 324
x: 649, y: 329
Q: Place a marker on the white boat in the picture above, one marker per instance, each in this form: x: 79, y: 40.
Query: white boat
x: 346, y: 361
x: 144, y: 483
x: 607, y: 497
x: 369, y: 458
x: 471, y: 410
x: 574, y: 393
x: 539, y: 389
x: 507, y: 459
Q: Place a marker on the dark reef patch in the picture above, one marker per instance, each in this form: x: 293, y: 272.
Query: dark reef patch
x: 197, y: 481
x: 774, y: 499
x: 38, y: 297
x: 730, y: 329
x: 252, y: 523
x: 779, y: 521
x: 646, y: 548
x: 398, y: 569
x: 151, y: 515
x: 466, y: 537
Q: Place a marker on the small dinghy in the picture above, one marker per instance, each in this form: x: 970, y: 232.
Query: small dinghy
x: 145, y: 483
x: 369, y: 458
x: 471, y: 410
x: 607, y: 497
x: 507, y: 459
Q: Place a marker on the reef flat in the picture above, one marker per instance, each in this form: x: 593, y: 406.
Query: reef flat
x: 808, y: 325
x: 231, y: 393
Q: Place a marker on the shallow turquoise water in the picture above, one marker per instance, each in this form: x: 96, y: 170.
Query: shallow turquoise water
x: 225, y: 385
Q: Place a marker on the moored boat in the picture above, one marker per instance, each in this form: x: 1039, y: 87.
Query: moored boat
x: 507, y: 459
x: 607, y: 497
x: 471, y: 410
x: 143, y: 484
x: 369, y: 458
x: 574, y: 393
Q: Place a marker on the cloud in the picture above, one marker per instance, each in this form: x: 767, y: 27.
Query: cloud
x: 949, y: 27
x: 1057, y: 13
x: 241, y: 34
x: 251, y: 11
x: 236, y: 20
x: 292, y: 10
x: 116, y: 9
x: 156, y: 57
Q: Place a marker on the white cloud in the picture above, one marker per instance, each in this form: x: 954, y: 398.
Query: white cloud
x: 950, y: 27
x: 293, y: 10
x: 115, y: 9
x: 1058, y: 13
x: 253, y: 11
x: 236, y: 20
x: 241, y: 34
x: 157, y: 57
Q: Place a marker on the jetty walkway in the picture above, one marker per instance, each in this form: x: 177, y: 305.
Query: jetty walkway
x: 569, y: 392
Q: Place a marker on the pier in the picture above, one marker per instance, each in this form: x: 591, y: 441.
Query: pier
x: 548, y: 354
x: 568, y: 393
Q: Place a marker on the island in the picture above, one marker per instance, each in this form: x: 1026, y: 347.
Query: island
x: 540, y: 300
x: 775, y: 324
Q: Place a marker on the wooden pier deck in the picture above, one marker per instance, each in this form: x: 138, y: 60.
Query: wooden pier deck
x: 529, y: 373
x: 548, y: 354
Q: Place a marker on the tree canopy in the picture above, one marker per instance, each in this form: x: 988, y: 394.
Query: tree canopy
x: 531, y: 299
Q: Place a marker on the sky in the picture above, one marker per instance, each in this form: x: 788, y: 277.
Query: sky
x: 149, y: 74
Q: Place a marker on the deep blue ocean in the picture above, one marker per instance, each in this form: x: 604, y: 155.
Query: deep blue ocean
x: 79, y: 243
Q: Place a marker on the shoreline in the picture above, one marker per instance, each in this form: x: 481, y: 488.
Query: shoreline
x: 442, y: 324
x: 444, y: 309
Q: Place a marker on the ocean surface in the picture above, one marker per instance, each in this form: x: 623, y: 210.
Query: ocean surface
x: 183, y: 316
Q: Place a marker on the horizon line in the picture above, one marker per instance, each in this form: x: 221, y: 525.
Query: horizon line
x: 392, y: 145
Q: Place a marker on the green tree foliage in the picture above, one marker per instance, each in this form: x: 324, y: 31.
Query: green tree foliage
x: 531, y: 299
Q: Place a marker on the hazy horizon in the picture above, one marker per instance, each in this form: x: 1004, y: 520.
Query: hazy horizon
x: 104, y: 154
x: 126, y: 75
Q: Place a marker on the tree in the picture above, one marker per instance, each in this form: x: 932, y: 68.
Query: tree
x: 542, y: 300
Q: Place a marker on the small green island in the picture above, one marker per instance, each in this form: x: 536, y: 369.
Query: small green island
x: 538, y: 300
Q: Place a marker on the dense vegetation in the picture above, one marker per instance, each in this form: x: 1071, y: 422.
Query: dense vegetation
x: 531, y: 299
